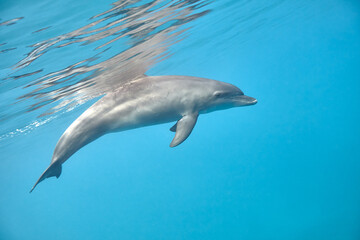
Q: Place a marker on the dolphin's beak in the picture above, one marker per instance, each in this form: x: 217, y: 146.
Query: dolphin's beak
x: 244, y: 100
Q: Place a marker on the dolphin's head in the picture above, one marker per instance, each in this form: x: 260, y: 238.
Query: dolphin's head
x: 224, y: 95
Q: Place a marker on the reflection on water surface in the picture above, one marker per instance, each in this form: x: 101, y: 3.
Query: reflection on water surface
x: 125, y: 41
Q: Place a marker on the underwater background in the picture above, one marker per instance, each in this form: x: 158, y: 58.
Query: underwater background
x: 286, y: 168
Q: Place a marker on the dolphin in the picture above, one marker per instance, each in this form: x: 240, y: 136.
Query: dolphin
x: 146, y: 101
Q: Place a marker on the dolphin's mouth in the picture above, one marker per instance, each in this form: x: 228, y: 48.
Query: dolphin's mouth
x: 244, y: 100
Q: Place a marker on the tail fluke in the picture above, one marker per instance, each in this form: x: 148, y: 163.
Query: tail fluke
x: 54, y: 170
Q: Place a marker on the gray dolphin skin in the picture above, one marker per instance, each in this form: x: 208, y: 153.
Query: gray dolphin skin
x: 146, y: 101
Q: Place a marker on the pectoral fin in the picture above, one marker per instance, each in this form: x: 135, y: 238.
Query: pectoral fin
x: 183, y: 128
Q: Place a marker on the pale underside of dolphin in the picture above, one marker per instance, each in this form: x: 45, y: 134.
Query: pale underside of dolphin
x: 146, y: 101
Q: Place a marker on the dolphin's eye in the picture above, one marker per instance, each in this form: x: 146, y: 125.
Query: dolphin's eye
x: 218, y: 94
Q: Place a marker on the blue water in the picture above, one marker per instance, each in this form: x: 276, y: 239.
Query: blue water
x: 286, y: 168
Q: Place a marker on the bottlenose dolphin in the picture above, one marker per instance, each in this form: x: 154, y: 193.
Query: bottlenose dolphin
x: 148, y: 100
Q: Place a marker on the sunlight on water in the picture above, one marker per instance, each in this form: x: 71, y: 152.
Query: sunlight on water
x: 141, y: 33
x: 116, y: 46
